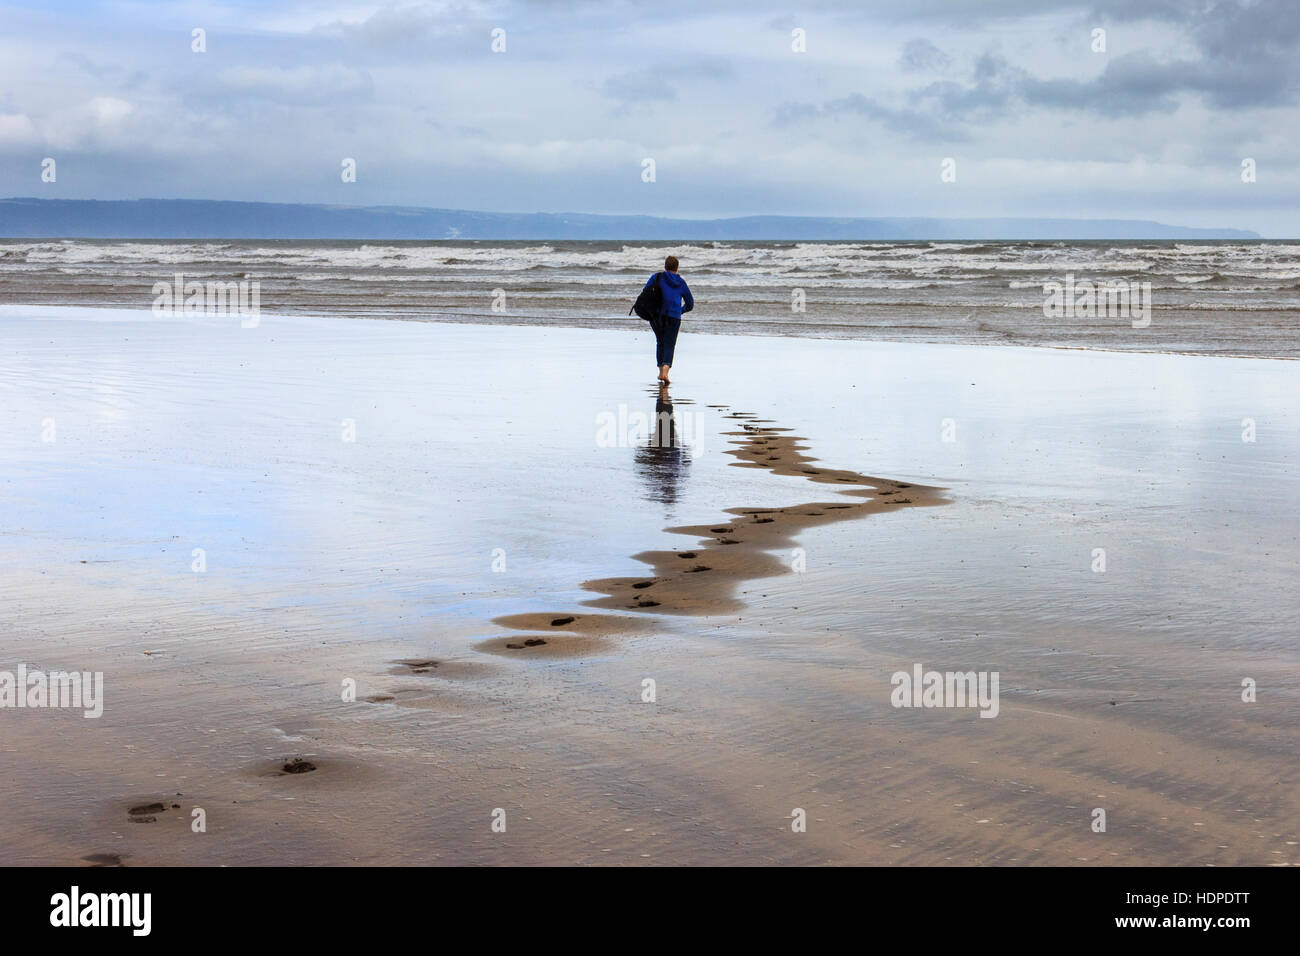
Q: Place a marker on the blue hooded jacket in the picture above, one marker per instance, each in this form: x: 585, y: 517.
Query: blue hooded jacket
x: 677, y: 294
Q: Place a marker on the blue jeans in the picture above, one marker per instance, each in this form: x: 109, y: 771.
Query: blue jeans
x: 665, y: 329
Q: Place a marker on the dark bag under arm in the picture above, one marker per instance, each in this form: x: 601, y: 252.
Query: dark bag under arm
x: 649, y: 305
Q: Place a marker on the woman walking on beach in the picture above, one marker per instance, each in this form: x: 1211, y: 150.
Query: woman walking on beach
x: 677, y: 299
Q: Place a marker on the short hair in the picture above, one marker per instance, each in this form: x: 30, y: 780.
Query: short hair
x: 671, y: 263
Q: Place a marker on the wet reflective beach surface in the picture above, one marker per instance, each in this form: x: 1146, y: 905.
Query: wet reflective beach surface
x: 233, y: 523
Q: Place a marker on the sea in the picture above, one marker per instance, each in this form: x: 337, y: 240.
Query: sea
x: 1239, y: 298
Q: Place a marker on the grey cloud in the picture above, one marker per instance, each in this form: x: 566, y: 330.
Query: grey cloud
x: 264, y: 98
x: 410, y: 30
x: 784, y: 23
x: 1249, y: 54
x: 108, y: 73
x: 1131, y: 85
x: 638, y: 86
x: 1248, y: 59
x: 922, y: 55
x: 649, y: 84
x: 911, y: 123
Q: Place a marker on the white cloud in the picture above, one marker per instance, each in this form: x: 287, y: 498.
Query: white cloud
x: 17, y: 129
x: 109, y: 110
x: 302, y: 83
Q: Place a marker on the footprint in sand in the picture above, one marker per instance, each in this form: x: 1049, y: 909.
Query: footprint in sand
x: 442, y: 669
x: 103, y: 859
x: 720, y: 530
x: 763, y: 520
x: 561, y: 621
x: 642, y: 584
x: 148, y: 812
x: 686, y: 554
x: 145, y: 813
x: 420, y: 666
x: 531, y: 642
x: 297, y: 765
x: 698, y: 567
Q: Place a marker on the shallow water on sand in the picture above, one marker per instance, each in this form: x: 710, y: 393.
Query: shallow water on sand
x: 328, y: 558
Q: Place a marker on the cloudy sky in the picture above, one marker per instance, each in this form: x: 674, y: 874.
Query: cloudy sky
x: 736, y: 120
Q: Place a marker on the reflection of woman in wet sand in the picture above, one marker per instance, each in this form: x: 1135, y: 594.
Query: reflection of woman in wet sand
x: 663, y: 459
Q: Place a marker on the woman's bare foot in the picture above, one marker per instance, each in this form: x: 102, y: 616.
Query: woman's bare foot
x: 663, y: 373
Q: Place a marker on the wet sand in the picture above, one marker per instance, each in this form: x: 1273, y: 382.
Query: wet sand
x: 372, y: 561
x: 745, y: 545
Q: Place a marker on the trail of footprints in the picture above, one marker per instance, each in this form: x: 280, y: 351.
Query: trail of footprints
x: 706, y: 579
x: 753, y: 543
x: 750, y: 545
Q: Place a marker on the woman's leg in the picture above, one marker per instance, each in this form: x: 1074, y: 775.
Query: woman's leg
x: 668, y: 341
x: 657, y: 326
